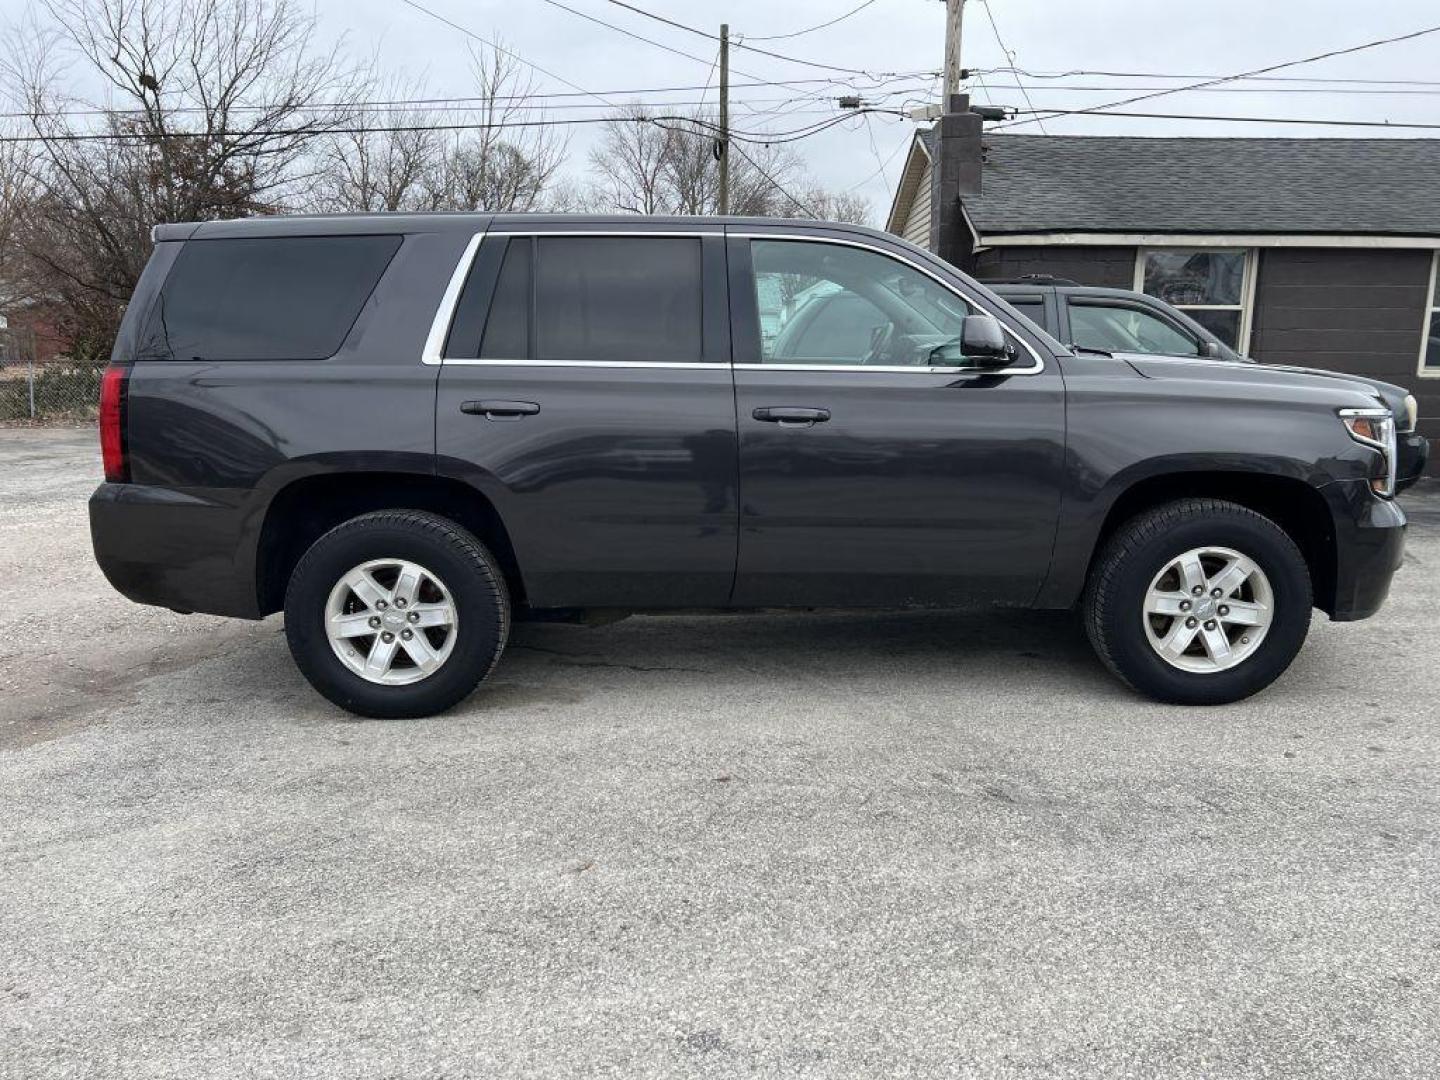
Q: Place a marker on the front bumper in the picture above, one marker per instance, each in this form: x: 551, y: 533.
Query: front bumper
x: 172, y: 549
x: 1369, y: 548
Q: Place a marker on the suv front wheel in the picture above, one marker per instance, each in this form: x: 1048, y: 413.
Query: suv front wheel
x: 1199, y: 602
x: 397, y: 613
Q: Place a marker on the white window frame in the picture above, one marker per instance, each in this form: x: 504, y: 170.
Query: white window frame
x: 1249, y: 273
x: 1432, y: 309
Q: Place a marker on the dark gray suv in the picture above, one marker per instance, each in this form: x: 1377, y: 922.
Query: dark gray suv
x: 407, y: 431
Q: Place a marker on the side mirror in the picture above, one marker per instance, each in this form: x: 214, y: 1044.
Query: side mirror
x: 981, y: 344
x: 1209, y: 349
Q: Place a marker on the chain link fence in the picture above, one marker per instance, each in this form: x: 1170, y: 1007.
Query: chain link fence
x: 50, y: 391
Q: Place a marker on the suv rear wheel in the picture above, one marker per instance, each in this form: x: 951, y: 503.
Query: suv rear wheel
x: 397, y: 613
x: 1199, y: 602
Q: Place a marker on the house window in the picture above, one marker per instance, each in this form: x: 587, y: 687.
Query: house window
x: 1430, y: 333
x: 1213, y: 286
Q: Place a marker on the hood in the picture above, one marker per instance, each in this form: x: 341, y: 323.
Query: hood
x: 1393, y: 396
x: 1277, y: 375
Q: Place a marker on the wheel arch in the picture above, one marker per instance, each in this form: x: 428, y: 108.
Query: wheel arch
x: 1294, y: 505
x: 306, y: 508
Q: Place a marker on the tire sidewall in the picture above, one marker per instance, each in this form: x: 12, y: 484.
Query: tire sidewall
x: 1254, y: 537
x: 479, y: 611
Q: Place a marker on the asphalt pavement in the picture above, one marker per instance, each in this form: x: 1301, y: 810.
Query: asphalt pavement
x: 902, y: 845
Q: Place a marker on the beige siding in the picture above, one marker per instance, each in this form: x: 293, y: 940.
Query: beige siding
x: 917, y: 225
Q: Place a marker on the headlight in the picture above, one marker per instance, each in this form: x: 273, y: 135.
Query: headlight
x: 1412, y: 413
x: 1376, y: 429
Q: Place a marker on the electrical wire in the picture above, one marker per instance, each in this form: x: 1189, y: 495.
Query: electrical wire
x: 742, y: 45
x: 1010, y: 55
x: 819, y: 26
x: 1248, y: 120
x: 631, y: 34
x: 1243, y: 75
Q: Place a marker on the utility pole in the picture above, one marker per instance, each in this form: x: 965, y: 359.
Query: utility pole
x: 724, y: 147
x: 954, y: 10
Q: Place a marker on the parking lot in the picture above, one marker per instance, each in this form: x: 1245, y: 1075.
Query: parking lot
x: 812, y: 845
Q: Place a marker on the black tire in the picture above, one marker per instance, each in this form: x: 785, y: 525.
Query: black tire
x: 470, y: 573
x: 1140, y: 549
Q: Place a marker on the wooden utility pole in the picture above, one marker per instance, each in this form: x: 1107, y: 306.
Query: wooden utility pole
x: 954, y: 11
x: 724, y: 118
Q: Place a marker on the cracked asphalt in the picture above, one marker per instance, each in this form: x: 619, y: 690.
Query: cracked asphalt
x: 792, y: 845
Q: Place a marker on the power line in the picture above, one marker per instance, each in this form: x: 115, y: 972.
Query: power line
x: 501, y: 49
x: 807, y: 211
x: 1248, y: 120
x: 631, y: 34
x: 435, y: 102
x: 741, y: 44
x: 1010, y: 55
x: 819, y: 26
x: 1077, y: 72
x: 1243, y: 75
x: 759, y: 138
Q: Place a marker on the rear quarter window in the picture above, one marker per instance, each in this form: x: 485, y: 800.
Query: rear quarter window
x: 273, y: 298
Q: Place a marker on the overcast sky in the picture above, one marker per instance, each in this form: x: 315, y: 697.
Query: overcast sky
x: 1218, y: 37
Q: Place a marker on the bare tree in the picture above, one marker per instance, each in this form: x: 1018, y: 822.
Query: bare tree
x: 209, y: 111
x: 499, y: 157
x: 649, y: 164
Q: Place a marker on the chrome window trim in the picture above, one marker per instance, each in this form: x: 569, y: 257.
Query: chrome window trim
x: 445, y: 311
x: 639, y: 364
x: 1034, y: 369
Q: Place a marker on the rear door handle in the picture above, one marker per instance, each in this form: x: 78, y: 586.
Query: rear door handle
x: 792, y: 416
x: 500, y: 409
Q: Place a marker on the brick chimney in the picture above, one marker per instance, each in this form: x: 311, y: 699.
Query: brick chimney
x: 957, y: 173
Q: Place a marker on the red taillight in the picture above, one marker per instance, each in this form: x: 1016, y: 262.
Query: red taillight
x: 112, y: 424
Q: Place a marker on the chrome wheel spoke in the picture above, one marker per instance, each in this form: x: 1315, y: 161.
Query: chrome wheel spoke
x: 1178, y: 639
x: 432, y: 615
x: 1167, y: 603
x: 419, y: 650
x: 1232, y: 577
x: 407, y: 585
x: 369, y: 591
x: 1217, y: 645
x: 1244, y: 613
x: 1192, y: 573
x: 382, y: 655
x: 349, y: 626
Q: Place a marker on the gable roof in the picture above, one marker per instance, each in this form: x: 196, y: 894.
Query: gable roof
x: 920, y: 154
x: 1081, y: 183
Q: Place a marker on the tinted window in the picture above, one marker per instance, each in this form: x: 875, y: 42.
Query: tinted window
x: 507, y: 330
x: 1034, y: 310
x: 1127, y: 329
x: 291, y: 298
x: 832, y: 304
x: 617, y: 299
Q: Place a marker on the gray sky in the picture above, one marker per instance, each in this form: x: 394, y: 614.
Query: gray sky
x: 1218, y: 37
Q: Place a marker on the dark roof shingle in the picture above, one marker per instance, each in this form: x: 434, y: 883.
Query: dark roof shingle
x: 1059, y: 183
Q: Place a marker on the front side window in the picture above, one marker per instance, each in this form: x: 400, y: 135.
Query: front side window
x: 280, y: 298
x: 829, y: 304
x: 1116, y: 328
x: 1207, y: 284
x: 1430, y: 351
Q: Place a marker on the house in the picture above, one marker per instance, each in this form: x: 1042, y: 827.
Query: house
x: 1321, y: 252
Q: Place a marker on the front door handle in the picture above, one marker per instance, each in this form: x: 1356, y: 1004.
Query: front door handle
x: 500, y: 409
x: 791, y: 416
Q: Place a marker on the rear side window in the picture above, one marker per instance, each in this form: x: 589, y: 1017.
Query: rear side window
x: 1032, y: 307
x: 281, y: 298
x: 617, y: 299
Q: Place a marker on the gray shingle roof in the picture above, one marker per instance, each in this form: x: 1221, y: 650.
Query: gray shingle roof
x: 1058, y: 183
